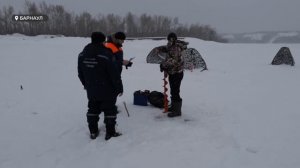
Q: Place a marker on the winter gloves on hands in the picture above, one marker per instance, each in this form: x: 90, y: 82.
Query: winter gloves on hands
x: 162, y: 68
x: 129, y: 64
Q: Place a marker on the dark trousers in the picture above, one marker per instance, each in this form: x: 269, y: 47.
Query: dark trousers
x: 175, y: 82
x: 94, y: 110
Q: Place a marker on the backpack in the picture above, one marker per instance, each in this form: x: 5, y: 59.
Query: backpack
x: 156, y: 99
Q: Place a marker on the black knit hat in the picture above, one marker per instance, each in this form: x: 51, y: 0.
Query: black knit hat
x: 98, y: 37
x: 172, y: 36
x: 120, y: 36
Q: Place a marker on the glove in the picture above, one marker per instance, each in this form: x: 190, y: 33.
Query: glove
x: 162, y: 68
x: 129, y: 64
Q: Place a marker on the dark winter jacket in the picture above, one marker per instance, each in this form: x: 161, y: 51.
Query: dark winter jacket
x: 98, y: 74
x: 174, y: 61
x: 117, y: 52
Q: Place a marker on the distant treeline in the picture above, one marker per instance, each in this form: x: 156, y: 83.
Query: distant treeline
x: 62, y: 22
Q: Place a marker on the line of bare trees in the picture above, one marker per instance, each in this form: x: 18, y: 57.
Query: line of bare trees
x: 62, y: 22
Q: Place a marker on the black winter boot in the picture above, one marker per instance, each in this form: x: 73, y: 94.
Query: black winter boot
x: 94, y: 131
x: 111, y: 132
x: 92, y: 120
x: 171, y: 107
x: 176, y: 111
x: 94, y: 135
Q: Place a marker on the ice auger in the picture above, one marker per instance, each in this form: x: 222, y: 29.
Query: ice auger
x: 166, y: 102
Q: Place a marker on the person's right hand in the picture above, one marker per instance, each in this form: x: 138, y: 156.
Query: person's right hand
x: 162, y: 68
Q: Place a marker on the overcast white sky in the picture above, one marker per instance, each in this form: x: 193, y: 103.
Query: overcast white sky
x: 227, y: 16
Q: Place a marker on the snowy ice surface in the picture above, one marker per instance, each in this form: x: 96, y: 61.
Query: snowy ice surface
x: 241, y: 113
